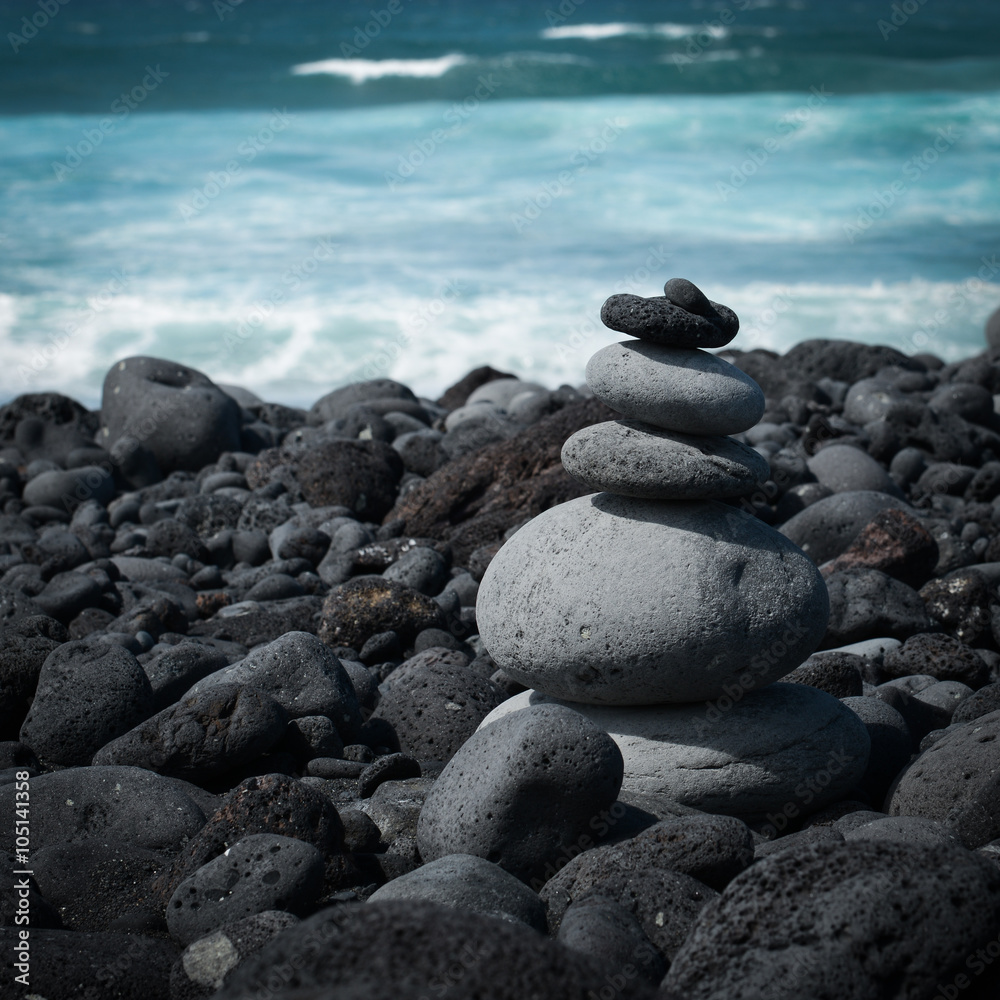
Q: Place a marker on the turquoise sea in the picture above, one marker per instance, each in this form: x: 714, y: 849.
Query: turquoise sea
x: 291, y: 195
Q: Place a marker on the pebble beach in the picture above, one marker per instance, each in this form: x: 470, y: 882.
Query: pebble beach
x: 678, y: 682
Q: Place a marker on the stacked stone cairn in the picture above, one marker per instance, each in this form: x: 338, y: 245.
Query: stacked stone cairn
x: 656, y: 607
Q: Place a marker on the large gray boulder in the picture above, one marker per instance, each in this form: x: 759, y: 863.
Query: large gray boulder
x: 612, y: 600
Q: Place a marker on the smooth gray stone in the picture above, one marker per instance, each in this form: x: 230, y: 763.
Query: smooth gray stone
x: 606, y: 930
x: 828, y: 527
x: 302, y: 675
x: 843, y: 468
x: 613, y: 600
x: 422, y: 568
x: 783, y: 745
x: 140, y: 570
x: 468, y: 883
x: 635, y: 459
x: 264, y: 871
x: 679, y: 389
x: 501, y: 391
x: 475, y: 413
x: 67, y: 489
x: 522, y: 789
x: 873, y: 649
x: 123, y: 803
x: 837, y: 920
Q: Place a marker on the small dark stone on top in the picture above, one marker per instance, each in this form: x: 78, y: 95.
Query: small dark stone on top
x: 662, y: 320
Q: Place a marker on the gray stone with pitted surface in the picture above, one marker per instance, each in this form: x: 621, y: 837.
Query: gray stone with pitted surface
x: 520, y: 790
x: 677, y: 388
x: 635, y: 459
x: 637, y: 602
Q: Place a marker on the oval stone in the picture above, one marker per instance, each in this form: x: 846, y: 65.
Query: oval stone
x: 784, y: 750
x: 635, y: 459
x: 612, y: 600
x: 679, y: 389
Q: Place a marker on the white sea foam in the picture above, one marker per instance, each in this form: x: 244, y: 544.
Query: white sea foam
x: 360, y: 70
x: 310, y: 345
x: 617, y: 29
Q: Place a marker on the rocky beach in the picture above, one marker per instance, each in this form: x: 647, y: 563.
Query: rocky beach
x: 680, y: 682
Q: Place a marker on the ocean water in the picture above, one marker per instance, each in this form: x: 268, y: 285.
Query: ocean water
x: 294, y: 195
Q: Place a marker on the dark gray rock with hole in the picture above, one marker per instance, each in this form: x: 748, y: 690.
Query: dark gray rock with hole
x: 176, y: 413
x: 261, y: 872
x: 433, y: 706
x: 206, y: 964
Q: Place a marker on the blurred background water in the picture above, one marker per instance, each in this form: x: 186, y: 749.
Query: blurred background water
x: 291, y: 195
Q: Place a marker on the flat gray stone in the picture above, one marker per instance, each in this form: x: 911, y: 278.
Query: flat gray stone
x: 842, y: 468
x: 786, y: 745
x: 521, y: 789
x: 612, y: 600
x: 468, y: 882
x: 679, y: 389
x: 635, y: 459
